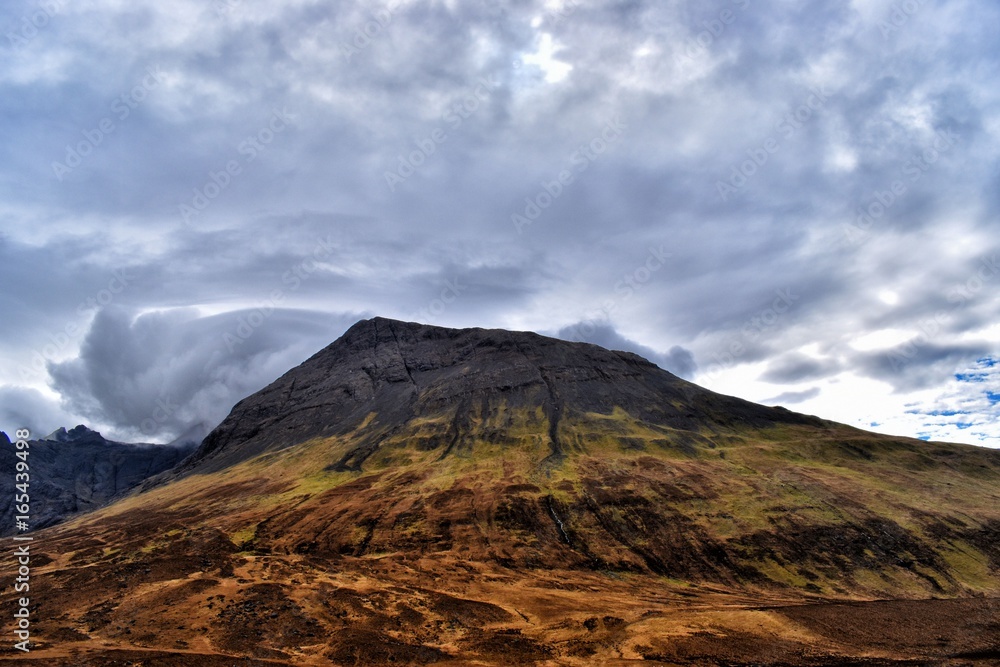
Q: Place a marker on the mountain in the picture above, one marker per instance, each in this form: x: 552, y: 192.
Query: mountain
x: 77, y: 471
x: 418, y: 495
x: 393, y: 377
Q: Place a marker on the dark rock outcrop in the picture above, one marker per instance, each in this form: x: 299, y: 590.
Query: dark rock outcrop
x: 77, y: 471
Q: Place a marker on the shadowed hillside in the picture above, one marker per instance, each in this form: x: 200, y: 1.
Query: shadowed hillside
x: 78, y: 471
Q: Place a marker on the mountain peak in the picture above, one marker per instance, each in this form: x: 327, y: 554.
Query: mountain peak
x: 76, y: 434
x: 393, y: 376
x: 378, y: 330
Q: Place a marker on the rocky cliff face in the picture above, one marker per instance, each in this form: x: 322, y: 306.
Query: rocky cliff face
x: 77, y: 471
x: 400, y: 371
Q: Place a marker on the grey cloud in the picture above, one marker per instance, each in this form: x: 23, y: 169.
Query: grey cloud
x: 919, y: 364
x: 156, y: 375
x: 793, y: 397
x: 677, y: 360
x: 28, y: 408
x: 465, y: 293
x: 689, y: 124
x: 794, y: 368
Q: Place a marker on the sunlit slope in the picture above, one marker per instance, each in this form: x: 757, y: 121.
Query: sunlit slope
x: 832, y: 510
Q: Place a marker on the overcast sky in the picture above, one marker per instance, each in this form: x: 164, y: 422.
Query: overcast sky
x: 796, y: 203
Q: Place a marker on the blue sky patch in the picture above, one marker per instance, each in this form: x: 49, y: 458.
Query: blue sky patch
x: 945, y: 413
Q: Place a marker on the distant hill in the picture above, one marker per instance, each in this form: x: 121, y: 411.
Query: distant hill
x: 77, y: 471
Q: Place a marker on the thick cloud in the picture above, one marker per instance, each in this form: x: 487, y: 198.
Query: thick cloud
x: 154, y: 376
x: 787, y: 197
x: 918, y: 364
x: 792, y: 397
x: 29, y: 408
x: 795, y: 367
x: 677, y: 360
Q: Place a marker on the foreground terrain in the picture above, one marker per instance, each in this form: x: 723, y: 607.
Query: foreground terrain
x: 163, y: 609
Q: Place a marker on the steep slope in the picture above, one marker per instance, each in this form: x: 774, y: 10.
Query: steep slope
x: 397, y: 372
x: 77, y: 471
x: 413, y: 495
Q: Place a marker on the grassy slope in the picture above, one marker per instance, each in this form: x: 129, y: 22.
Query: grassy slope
x: 638, y: 541
x: 836, y: 511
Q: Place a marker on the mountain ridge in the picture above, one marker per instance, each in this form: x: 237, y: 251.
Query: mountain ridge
x: 78, y: 470
x: 419, y: 495
x: 388, y: 352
